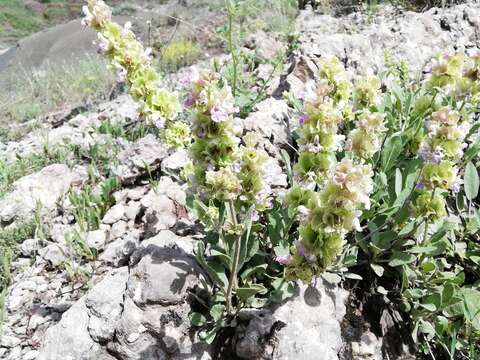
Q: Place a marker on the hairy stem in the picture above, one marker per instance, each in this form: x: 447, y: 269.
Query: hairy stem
x: 236, y: 258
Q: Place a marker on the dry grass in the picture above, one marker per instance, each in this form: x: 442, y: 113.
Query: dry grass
x: 26, y: 94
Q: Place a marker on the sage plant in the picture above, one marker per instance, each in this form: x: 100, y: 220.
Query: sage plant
x: 132, y: 64
x: 330, y: 195
x: 229, y: 173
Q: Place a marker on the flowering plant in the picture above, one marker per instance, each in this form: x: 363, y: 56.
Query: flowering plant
x: 384, y: 182
x: 132, y: 64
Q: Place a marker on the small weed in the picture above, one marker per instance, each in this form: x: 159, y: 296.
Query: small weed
x: 10, y: 237
x: 90, y: 206
x: 271, y: 16
x: 2, y: 310
x: 101, y: 157
x: 130, y: 133
x: 180, y: 53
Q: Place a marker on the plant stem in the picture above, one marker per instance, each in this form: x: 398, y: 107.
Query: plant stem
x: 231, y: 49
x: 236, y: 258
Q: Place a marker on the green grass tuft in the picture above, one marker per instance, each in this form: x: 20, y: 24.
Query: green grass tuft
x: 180, y: 53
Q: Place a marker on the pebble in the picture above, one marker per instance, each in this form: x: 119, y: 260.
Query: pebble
x: 37, y: 320
x: 118, y: 229
x: 132, y: 210
x: 53, y: 253
x: 114, y: 214
x: 29, y: 247
x: 16, y: 353
x: 9, y: 341
x: 31, y: 355
x: 136, y: 193
x: 96, y: 239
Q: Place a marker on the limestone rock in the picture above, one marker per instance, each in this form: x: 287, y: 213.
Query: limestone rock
x: 316, y: 313
x: 105, y: 304
x: 70, y: 339
x: 118, y: 252
x: 30, y: 246
x: 270, y: 120
x: 96, y: 239
x: 54, y: 253
x: 155, y: 320
x: 160, y: 212
x: 162, y: 276
x: 147, y: 152
x: 114, y: 214
x: 415, y: 37
x: 118, y: 229
x: 176, y: 161
x: 265, y: 45
x: 45, y: 187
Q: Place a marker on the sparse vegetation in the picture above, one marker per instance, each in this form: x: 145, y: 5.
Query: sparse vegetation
x: 179, y: 53
x: 26, y: 94
x: 17, y: 20
x: 89, y: 205
x: 9, y: 172
x: 10, y: 237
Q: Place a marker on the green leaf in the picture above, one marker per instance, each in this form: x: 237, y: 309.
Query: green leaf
x: 353, y: 276
x: 251, y: 271
x: 331, y: 278
x: 447, y: 294
x: 384, y: 239
x: 433, y: 249
x: 401, y: 258
x: 283, y: 290
x: 473, y: 224
x: 215, y: 270
x: 409, y: 185
x: 247, y: 241
x: 198, y: 319
x: 256, y: 303
x: 393, y: 147
x: 427, y: 329
x: 383, y: 178
x: 428, y: 266
x: 471, y: 301
x: 244, y: 293
x: 409, y: 228
x: 471, y: 181
x: 209, y: 336
x: 413, y: 293
x: 216, y: 311
x: 288, y: 165
x: 216, y: 251
x: 398, y: 181
x: 472, y: 151
x: 434, y: 300
x: 378, y: 269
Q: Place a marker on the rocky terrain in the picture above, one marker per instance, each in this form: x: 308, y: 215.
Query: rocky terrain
x: 132, y: 298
